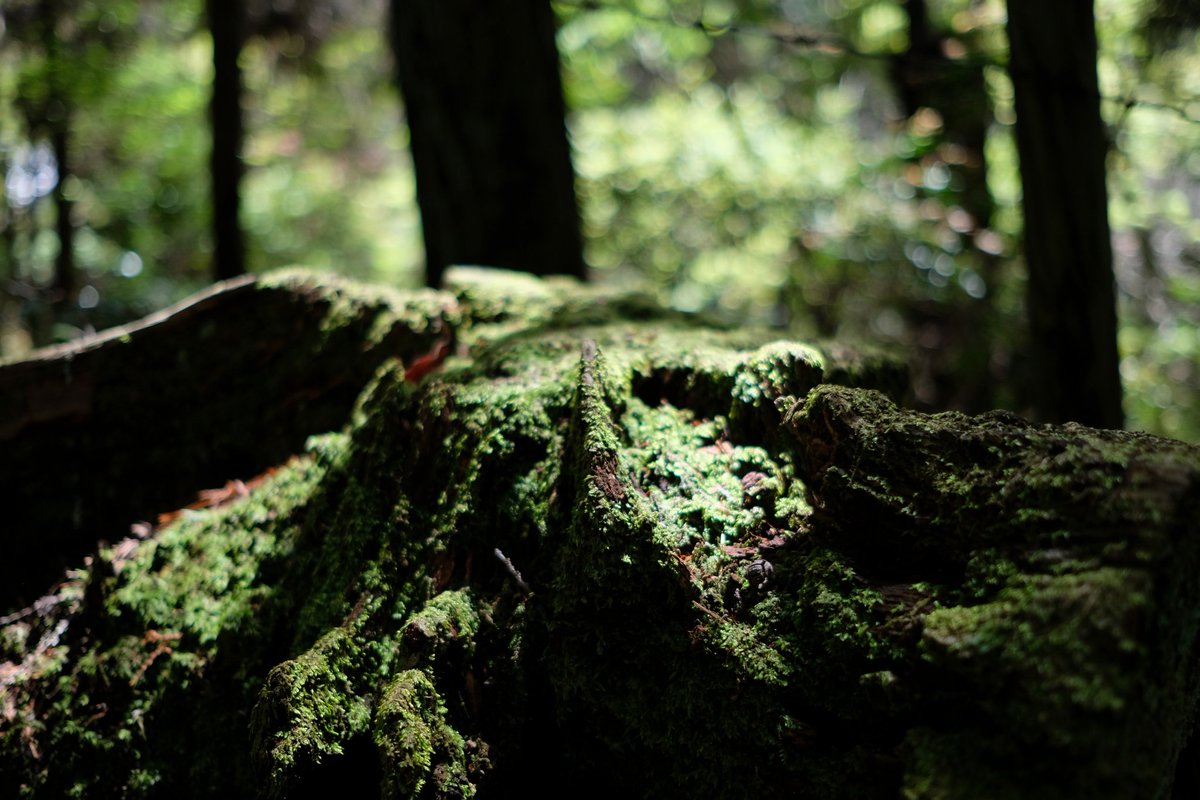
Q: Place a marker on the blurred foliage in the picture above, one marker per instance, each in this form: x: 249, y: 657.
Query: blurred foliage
x: 763, y: 170
x: 328, y: 181
x: 754, y: 159
x: 749, y: 158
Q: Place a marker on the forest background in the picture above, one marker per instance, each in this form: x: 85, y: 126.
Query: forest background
x: 760, y: 160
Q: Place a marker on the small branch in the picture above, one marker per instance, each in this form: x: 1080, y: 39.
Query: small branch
x: 512, y: 570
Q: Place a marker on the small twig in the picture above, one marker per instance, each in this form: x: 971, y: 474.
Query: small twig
x: 512, y: 570
x: 16, y: 615
x: 41, y: 607
x: 160, y: 641
x: 708, y: 611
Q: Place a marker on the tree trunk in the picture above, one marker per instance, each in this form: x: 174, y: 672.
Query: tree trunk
x: 1062, y: 147
x: 9, y: 310
x: 226, y: 24
x: 64, y: 263
x: 484, y: 103
x: 927, y: 78
x: 600, y: 544
x: 58, y: 110
x: 957, y: 369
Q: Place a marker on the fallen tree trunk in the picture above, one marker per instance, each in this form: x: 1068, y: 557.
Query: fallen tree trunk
x: 121, y: 426
x: 603, y: 543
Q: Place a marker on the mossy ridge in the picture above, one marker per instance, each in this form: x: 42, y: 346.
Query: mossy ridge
x: 420, y: 753
x: 1041, y: 631
x: 948, y: 486
x: 661, y: 592
x: 376, y: 312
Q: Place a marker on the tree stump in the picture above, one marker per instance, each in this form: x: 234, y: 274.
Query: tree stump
x: 567, y: 537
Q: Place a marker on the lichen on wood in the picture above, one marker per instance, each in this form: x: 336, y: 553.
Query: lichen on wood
x: 606, y: 544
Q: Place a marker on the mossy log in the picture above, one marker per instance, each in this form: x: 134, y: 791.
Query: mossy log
x: 120, y: 426
x: 602, y: 545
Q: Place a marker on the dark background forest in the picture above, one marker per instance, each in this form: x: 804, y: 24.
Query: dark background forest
x: 839, y: 168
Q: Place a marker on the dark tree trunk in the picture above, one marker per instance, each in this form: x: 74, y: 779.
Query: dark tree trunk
x: 8, y: 258
x: 926, y: 78
x: 8, y: 236
x: 64, y: 263
x: 483, y: 97
x: 1062, y: 147
x: 226, y: 23
x: 57, y: 113
x: 957, y: 370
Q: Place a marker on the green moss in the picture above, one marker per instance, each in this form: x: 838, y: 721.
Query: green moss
x: 405, y: 730
x: 421, y: 754
x: 1041, y: 575
x: 758, y: 660
x: 450, y: 619
x: 1077, y: 631
x: 348, y: 304
x: 171, y: 603
x: 775, y: 370
x: 310, y: 708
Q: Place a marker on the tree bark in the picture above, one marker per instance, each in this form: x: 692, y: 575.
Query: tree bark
x: 226, y: 24
x: 1062, y: 147
x: 483, y: 99
x: 603, y: 545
